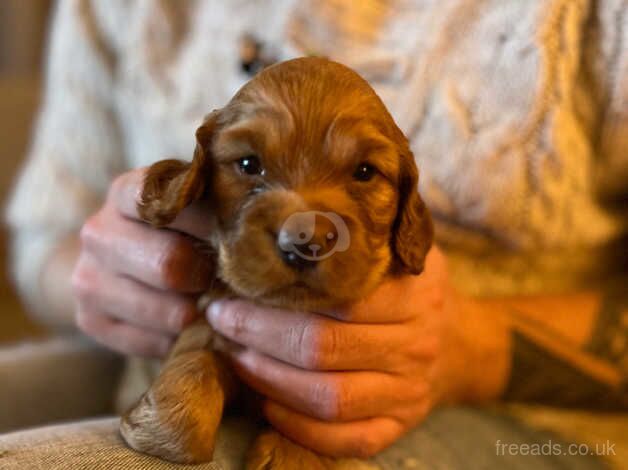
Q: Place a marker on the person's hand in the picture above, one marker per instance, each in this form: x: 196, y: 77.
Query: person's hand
x: 136, y: 287
x: 353, y: 381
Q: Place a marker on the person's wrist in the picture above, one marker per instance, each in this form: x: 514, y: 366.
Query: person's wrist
x: 481, y: 351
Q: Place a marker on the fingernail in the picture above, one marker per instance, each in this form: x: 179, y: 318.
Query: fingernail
x: 215, y: 310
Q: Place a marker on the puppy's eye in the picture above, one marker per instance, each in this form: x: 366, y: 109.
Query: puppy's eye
x: 250, y: 165
x: 364, y: 172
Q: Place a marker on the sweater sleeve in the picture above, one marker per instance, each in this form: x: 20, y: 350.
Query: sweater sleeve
x: 76, y: 146
x: 520, y: 135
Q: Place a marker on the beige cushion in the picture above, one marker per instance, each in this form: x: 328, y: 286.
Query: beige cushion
x: 96, y: 444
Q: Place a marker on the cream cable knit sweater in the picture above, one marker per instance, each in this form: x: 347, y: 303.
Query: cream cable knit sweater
x: 517, y: 112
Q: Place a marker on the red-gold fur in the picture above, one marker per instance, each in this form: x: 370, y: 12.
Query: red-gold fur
x: 311, y: 122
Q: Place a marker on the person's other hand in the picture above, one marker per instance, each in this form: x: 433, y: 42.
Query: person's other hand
x: 136, y: 286
x: 351, y: 382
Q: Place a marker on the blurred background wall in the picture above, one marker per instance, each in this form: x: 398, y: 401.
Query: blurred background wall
x: 23, y: 31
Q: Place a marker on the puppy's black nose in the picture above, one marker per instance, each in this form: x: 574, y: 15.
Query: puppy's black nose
x: 296, y: 247
x: 296, y: 260
x: 305, y: 238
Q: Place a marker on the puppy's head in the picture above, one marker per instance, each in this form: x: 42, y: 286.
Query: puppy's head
x: 312, y: 187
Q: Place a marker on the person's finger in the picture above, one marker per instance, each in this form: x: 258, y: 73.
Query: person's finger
x: 122, y: 337
x: 125, y: 299
x: 400, y: 298
x: 330, y: 396
x: 314, y: 342
x: 162, y: 259
x: 125, y: 193
x: 362, y: 439
x: 392, y: 301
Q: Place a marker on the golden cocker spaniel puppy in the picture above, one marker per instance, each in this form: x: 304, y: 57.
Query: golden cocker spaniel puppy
x: 311, y: 191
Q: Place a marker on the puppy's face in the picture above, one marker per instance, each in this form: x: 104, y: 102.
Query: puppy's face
x: 311, y: 184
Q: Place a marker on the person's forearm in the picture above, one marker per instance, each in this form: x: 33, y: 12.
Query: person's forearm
x: 569, y: 350
x: 57, y: 303
x: 562, y: 350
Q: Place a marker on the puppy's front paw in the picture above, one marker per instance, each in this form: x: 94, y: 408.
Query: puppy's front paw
x: 272, y: 451
x: 178, y: 416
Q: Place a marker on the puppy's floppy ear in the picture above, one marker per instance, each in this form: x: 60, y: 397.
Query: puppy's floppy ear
x: 413, y: 230
x: 171, y: 185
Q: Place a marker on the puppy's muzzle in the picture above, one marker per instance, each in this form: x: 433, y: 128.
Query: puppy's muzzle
x: 295, y: 261
x: 303, y: 243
